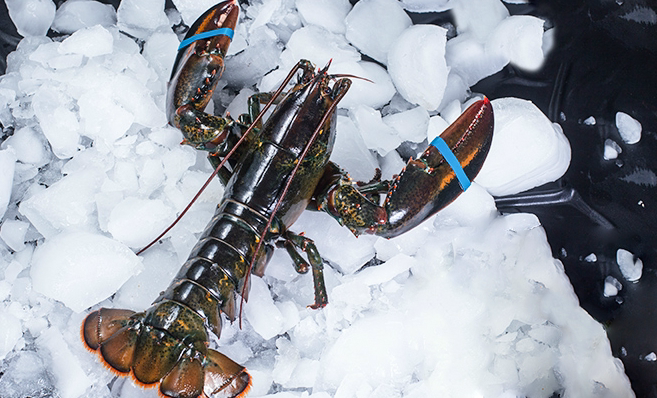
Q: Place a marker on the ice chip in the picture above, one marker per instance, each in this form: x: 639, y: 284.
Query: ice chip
x: 427, y: 5
x: 75, y: 15
x: 479, y: 17
x: 160, y: 50
x: 68, y: 203
x: 336, y: 243
x: 387, y: 271
x: 612, y: 286
x: 81, y: 269
x: 7, y: 164
x: 261, y: 312
x: 329, y: 14
x: 90, y: 42
x: 469, y: 58
x: 13, y: 233
x: 10, y: 333
x: 70, y: 378
x: 519, y: 39
x: 527, y: 150
x: 630, y: 267
x: 612, y: 149
x: 410, y: 125
x: 192, y: 9
x: 373, y: 25
x: 416, y: 64
x: 102, y: 118
x: 28, y: 146
x: 351, y: 153
x: 377, y: 135
x: 31, y: 17
x: 317, y: 45
x: 374, y: 93
x: 57, y: 121
x: 141, y: 17
x: 628, y: 128
x: 136, y: 222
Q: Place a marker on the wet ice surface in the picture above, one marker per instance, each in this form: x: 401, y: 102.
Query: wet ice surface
x: 470, y: 303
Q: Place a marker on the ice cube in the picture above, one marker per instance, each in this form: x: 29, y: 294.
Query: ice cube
x: 628, y: 127
x: 377, y: 135
x: 479, y: 17
x: 90, y: 42
x: 630, y: 267
x: 8, y: 164
x: 261, y: 312
x: 10, y: 333
x: 68, y: 203
x: 136, y: 222
x: 373, y: 25
x: 416, y: 64
x: 141, y: 17
x: 74, y: 15
x: 527, y: 149
x: 13, y: 233
x: 351, y: 153
x: 81, y: 269
x: 519, y: 38
x: 329, y: 14
x: 31, y: 17
x: 410, y: 125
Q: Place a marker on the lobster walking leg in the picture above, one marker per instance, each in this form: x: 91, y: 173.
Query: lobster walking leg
x: 293, y: 242
x: 425, y: 186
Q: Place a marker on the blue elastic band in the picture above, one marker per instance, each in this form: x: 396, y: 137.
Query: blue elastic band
x: 211, y: 33
x: 453, y: 162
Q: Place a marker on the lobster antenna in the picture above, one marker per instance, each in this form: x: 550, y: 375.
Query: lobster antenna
x: 351, y: 76
x: 285, y: 189
x: 225, y: 159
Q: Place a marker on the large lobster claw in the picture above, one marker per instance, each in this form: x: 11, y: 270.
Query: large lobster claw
x: 196, y: 72
x: 425, y: 186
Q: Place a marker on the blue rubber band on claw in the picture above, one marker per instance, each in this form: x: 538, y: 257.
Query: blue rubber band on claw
x: 453, y: 162
x: 228, y: 32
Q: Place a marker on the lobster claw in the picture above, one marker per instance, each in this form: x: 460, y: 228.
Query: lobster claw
x: 425, y: 186
x: 196, y: 72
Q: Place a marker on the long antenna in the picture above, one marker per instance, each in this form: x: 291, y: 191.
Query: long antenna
x: 225, y: 159
x: 285, y: 189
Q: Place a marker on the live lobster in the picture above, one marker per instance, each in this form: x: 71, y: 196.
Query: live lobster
x: 272, y: 173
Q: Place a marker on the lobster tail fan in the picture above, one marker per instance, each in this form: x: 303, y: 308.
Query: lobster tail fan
x: 156, y: 355
x: 100, y: 325
x: 119, y: 350
x: 185, y: 380
x: 224, y: 378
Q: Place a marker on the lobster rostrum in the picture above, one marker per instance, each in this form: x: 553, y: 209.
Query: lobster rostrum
x: 272, y: 172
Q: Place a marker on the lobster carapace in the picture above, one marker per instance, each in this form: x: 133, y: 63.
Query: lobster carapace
x: 272, y: 172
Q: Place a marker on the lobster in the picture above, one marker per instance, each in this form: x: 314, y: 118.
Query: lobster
x: 272, y: 172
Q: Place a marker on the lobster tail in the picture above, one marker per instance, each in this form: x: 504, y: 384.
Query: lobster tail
x: 119, y: 350
x: 185, y: 380
x: 102, y: 324
x: 153, y: 352
x: 224, y: 377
